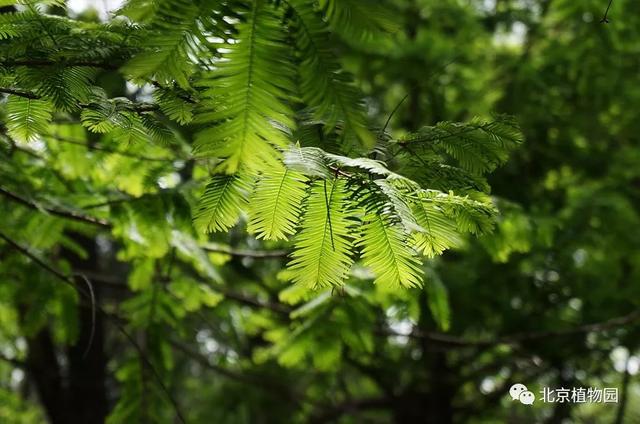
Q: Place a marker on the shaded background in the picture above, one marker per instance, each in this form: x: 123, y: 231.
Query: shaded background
x: 549, y: 300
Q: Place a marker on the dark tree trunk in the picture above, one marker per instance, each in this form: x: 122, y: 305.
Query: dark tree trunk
x: 44, y: 371
x: 87, y: 359
x: 87, y: 372
x: 76, y: 392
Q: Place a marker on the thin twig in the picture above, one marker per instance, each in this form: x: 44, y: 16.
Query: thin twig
x: 191, y: 353
x: 20, y: 93
x: 393, y: 112
x: 92, y: 333
x: 251, y: 301
x: 524, y: 337
x: 253, y: 254
x: 605, y: 18
x: 433, y: 74
x: 69, y: 63
x: 57, y: 212
x: 113, y: 151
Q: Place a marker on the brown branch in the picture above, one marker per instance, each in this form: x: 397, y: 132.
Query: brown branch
x: 254, y: 254
x: 605, y: 18
x: 69, y: 63
x: 276, y: 390
x: 20, y: 93
x: 236, y: 296
x: 111, y: 150
x: 137, y: 107
x: 251, y: 301
x: 202, y: 360
x: 57, y: 212
x: 186, y: 98
x: 145, y: 107
x: 517, y: 338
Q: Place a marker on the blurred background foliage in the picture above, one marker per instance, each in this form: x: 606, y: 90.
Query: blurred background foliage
x: 550, y: 299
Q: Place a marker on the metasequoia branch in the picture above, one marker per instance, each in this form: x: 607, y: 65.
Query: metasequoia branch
x: 57, y: 212
x: 598, y: 327
x: 253, y: 254
x: 136, y: 107
x: 19, y: 93
x: 113, y: 151
x: 34, y: 63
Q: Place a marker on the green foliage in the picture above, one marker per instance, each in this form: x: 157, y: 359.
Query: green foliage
x: 247, y: 92
x: 16, y: 24
x: 221, y: 203
x: 106, y: 115
x: 325, y: 87
x: 27, y: 118
x: 386, y: 251
x: 175, y: 104
x: 322, y: 254
x: 276, y: 203
x: 358, y: 20
x: 441, y: 233
x: 250, y: 194
x: 478, y: 146
x: 66, y: 87
x: 166, y: 49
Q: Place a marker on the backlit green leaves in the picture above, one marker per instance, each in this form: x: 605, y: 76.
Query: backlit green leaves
x: 27, y: 118
x: 221, y: 203
x: 357, y: 20
x: 325, y: 87
x: 323, y: 247
x: 386, y: 251
x: 247, y: 93
x: 441, y: 232
x: 167, y: 46
x: 237, y: 82
x: 353, y: 208
x: 124, y: 120
x: 276, y: 204
x: 65, y: 86
x: 479, y: 146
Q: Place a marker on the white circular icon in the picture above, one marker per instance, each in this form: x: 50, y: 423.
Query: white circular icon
x: 516, y: 390
x: 527, y: 398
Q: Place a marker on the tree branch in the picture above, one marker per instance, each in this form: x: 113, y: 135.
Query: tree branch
x: 113, y: 151
x: 70, y: 63
x: 605, y: 17
x: 278, y: 390
x: 202, y: 360
x: 517, y: 338
x: 57, y: 212
x: 254, y: 254
x: 20, y: 93
x: 251, y: 301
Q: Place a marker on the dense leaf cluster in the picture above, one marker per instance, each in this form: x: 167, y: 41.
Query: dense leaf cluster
x: 245, y: 75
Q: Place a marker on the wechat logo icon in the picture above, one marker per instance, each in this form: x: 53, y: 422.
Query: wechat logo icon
x: 519, y: 392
